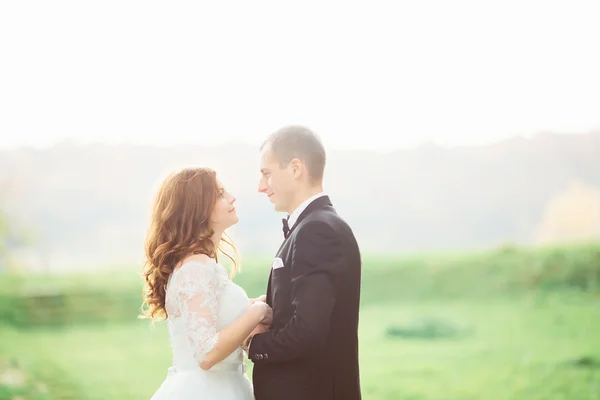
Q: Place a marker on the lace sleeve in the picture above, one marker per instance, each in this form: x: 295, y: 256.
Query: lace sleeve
x: 198, y: 290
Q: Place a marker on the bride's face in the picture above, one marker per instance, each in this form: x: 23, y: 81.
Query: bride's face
x: 223, y: 215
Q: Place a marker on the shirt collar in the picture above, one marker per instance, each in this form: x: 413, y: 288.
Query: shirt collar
x: 296, y: 213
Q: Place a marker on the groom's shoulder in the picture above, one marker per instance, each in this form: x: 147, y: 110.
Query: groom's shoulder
x: 323, y: 219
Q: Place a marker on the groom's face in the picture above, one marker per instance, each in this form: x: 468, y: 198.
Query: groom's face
x: 276, y: 182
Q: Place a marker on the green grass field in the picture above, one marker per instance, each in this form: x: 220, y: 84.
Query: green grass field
x: 426, y: 332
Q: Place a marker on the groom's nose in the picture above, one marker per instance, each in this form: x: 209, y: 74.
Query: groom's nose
x: 261, y: 186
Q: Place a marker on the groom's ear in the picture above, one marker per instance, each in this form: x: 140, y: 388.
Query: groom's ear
x: 297, y: 168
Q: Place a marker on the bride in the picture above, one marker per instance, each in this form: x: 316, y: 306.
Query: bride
x: 208, y: 316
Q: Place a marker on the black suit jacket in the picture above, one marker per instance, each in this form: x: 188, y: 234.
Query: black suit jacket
x: 311, y: 351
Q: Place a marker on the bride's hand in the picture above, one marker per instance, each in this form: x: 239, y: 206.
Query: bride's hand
x: 262, y: 298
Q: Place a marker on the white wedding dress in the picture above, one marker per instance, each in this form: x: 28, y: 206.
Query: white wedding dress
x: 200, y: 301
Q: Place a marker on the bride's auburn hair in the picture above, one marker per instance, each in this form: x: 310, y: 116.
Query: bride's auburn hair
x: 179, y: 227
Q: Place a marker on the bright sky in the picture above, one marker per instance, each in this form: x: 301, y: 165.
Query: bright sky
x: 368, y: 74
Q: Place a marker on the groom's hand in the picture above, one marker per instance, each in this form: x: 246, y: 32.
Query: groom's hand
x: 260, y: 328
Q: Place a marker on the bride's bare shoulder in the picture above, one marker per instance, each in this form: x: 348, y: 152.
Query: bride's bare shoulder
x: 195, y: 258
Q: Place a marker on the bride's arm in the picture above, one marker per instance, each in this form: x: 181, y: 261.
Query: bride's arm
x: 198, y: 292
x: 231, y: 337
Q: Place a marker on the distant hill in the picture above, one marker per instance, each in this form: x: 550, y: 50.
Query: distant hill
x: 89, y: 204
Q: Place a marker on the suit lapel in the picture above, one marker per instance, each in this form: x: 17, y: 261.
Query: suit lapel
x: 318, y: 203
x: 269, y: 296
x: 314, y: 205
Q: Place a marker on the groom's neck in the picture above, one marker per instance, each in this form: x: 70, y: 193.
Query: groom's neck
x: 304, y: 195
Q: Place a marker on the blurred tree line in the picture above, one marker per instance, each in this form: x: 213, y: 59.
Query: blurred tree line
x: 13, y: 236
x: 572, y: 216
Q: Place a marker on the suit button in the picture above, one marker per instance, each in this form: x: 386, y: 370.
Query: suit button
x: 266, y: 356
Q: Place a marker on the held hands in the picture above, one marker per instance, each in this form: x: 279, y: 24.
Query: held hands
x: 262, y: 298
x: 260, y: 328
x: 268, y: 317
x: 266, y: 312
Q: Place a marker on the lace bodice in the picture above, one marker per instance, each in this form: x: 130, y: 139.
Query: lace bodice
x: 200, y: 301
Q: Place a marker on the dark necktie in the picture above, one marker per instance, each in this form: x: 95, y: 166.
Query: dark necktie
x: 286, y: 227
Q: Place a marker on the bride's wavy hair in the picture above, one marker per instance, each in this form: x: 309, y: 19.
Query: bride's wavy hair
x: 179, y: 227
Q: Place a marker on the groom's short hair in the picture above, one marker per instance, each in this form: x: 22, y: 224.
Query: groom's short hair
x: 296, y: 141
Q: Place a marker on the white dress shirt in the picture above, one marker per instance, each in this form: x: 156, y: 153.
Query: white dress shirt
x: 296, y: 213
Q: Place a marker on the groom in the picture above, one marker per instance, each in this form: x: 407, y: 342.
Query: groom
x: 311, y: 350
